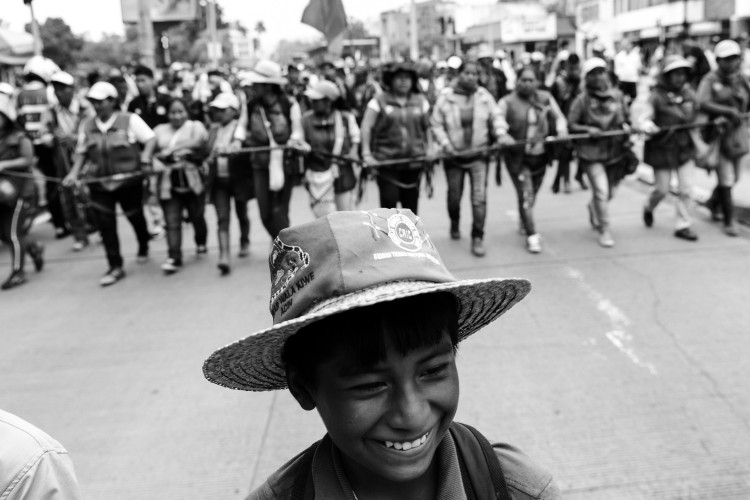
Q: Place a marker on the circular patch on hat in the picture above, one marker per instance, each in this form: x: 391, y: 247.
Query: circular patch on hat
x: 404, y: 233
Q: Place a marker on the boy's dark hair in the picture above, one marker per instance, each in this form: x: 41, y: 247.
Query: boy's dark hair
x: 362, y: 333
x: 143, y: 70
x: 573, y: 59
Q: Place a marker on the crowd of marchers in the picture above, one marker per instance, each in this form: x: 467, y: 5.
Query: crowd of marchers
x: 160, y: 147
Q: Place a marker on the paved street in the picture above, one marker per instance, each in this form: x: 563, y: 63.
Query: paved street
x: 624, y: 371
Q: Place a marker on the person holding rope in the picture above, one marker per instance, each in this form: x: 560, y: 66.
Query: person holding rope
x: 229, y: 176
x: 273, y: 120
x: 464, y: 122
x: 16, y: 195
x: 725, y: 94
x: 600, y: 108
x: 332, y: 137
x: 109, y: 147
x: 396, y: 126
x: 62, y: 122
x: 178, y: 158
x: 531, y: 115
x: 672, y: 102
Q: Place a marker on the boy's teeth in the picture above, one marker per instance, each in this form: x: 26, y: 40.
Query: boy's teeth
x: 407, y: 445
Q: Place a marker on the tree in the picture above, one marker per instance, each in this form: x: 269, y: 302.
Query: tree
x: 356, y: 29
x: 60, y: 43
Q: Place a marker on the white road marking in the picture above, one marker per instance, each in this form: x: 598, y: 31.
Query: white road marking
x: 618, y: 335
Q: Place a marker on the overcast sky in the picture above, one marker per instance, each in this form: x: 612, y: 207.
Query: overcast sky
x: 281, y: 17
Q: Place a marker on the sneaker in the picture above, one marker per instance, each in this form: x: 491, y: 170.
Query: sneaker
x: 477, y: 247
x: 648, y: 217
x: 731, y: 230
x: 534, y: 243
x: 142, y: 256
x: 686, y: 234
x: 592, y: 217
x: 224, y: 267
x: 455, y: 232
x: 606, y: 240
x: 80, y: 245
x: 244, y: 250
x: 201, y: 250
x: 171, y: 266
x: 158, y: 232
x: 113, y: 276
x: 15, y: 279
x: 36, y: 252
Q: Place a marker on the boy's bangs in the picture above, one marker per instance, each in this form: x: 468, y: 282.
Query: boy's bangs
x: 363, y: 335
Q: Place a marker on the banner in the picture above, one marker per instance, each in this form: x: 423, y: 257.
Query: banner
x: 162, y: 11
x: 326, y: 16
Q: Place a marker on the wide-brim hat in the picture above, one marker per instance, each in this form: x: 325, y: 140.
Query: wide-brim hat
x: 323, y: 89
x: 265, y: 71
x: 345, y: 261
x: 674, y: 62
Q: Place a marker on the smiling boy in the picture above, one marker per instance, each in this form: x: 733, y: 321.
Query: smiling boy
x: 367, y: 321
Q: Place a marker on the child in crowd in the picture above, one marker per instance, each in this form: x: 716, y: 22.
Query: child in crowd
x: 367, y: 322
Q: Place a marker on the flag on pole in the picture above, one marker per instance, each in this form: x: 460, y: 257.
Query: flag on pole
x: 326, y: 16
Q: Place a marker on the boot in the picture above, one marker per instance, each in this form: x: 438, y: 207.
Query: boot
x: 713, y: 203
x: 727, y: 209
x: 223, y: 264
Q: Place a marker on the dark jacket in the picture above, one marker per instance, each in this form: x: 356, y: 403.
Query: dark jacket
x: 153, y: 112
x: 400, y: 131
x: 670, y: 149
x: 607, y: 111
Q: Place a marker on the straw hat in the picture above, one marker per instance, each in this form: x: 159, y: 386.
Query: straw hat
x: 323, y: 89
x: 265, y: 71
x: 365, y: 258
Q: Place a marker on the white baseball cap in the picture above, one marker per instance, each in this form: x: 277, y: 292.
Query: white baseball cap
x: 63, y: 78
x: 102, y: 90
x: 727, y: 48
x: 593, y: 63
x: 226, y: 100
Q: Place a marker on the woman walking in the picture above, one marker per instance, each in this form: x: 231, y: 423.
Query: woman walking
x: 16, y: 196
x: 229, y: 176
x: 725, y: 94
x: 600, y: 108
x: 529, y: 114
x: 395, y: 126
x: 180, y: 145
x: 273, y: 120
x: 330, y: 135
x: 672, y: 103
x: 466, y: 118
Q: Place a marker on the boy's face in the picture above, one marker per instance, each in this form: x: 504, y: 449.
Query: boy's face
x: 371, y: 412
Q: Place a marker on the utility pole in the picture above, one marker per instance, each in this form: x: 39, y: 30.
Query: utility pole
x: 35, y: 29
x: 414, y: 35
x: 214, y: 49
x: 146, y: 34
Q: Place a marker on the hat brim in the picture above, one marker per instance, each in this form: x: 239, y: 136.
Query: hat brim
x: 315, y: 96
x: 254, y: 363
x: 677, y: 65
x: 254, y: 78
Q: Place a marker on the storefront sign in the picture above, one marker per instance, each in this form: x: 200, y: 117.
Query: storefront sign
x: 162, y: 11
x: 529, y: 29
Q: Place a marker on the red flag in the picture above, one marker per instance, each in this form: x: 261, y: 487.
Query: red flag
x: 326, y: 16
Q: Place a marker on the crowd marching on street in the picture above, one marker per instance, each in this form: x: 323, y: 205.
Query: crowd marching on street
x: 162, y: 146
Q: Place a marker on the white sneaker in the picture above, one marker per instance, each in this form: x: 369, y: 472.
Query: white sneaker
x: 534, y: 243
x: 606, y: 240
x: 170, y: 266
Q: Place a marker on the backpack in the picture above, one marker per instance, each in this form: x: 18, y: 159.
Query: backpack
x: 470, y: 465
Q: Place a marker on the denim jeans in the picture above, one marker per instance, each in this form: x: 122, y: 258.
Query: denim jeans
x: 222, y: 196
x: 602, y: 190
x: 662, y: 178
x: 455, y: 174
x: 527, y: 179
x: 391, y: 194
x: 130, y: 198
x: 173, y: 209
